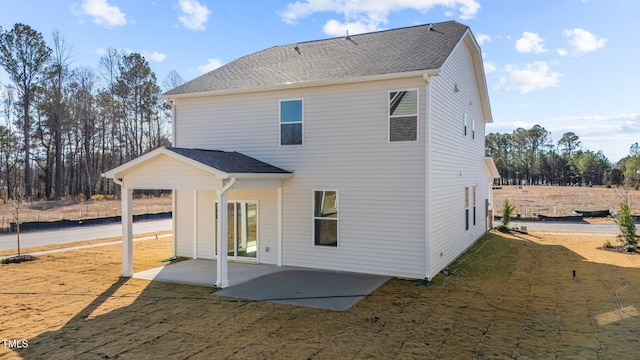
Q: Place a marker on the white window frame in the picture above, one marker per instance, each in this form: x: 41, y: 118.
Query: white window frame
x: 466, y: 209
x: 473, y: 129
x: 474, y: 195
x: 465, y: 124
x: 417, y: 115
x: 280, y: 123
x: 314, y: 218
x: 235, y: 220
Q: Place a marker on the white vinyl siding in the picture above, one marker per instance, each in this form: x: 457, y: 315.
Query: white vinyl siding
x: 455, y: 160
x: 184, y: 222
x: 346, y: 147
x: 206, y: 225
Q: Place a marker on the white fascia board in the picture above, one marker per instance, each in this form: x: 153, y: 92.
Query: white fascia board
x: 305, y: 84
x: 478, y: 66
x: 240, y: 176
x: 491, y: 167
x: 113, y: 173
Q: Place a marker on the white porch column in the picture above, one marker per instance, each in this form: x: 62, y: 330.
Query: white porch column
x: 223, y: 276
x: 223, y: 218
x: 127, y: 232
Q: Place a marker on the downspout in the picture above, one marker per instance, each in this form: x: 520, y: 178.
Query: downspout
x: 427, y: 175
x: 228, y: 186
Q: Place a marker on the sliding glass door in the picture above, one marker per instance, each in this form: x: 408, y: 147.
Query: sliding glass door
x: 242, y: 235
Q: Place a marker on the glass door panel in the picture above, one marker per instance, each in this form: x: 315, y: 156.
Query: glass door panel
x: 242, y: 231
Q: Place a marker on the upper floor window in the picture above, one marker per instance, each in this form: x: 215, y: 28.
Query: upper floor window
x: 291, y: 122
x: 403, y: 115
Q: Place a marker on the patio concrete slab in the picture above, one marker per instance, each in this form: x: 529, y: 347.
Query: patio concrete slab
x: 314, y: 288
x: 286, y: 285
x: 202, y: 272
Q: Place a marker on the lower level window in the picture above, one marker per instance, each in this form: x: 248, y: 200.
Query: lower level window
x: 325, y: 218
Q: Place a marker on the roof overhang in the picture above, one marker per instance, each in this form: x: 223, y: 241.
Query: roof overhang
x: 305, y: 84
x: 491, y: 167
x: 478, y: 67
x: 163, y: 168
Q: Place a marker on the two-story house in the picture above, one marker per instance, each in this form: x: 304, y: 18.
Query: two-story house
x: 364, y: 153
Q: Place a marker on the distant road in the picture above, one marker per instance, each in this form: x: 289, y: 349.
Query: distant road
x: 608, y: 227
x: 61, y: 236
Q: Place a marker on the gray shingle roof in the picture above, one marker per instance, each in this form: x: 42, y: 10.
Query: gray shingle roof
x: 229, y: 162
x: 415, y: 48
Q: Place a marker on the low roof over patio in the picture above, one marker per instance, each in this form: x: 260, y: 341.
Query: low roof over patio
x: 174, y: 168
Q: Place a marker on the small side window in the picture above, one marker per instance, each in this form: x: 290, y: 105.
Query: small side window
x: 464, y: 124
x: 466, y: 208
x: 473, y: 128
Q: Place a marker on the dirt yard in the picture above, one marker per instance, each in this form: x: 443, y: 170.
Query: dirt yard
x: 77, y: 210
x: 507, y: 297
x: 562, y: 200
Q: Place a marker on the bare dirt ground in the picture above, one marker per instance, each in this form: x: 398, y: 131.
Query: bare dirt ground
x: 562, y: 200
x: 509, y: 296
x: 77, y: 210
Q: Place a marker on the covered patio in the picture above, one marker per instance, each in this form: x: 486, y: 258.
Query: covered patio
x: 193, y: 170
x: 323, y: 289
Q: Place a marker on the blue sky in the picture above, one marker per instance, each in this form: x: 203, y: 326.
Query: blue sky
x: 567, y: 65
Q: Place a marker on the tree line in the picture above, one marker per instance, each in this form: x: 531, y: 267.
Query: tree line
x: 529, y: 156
x: 64, y: 126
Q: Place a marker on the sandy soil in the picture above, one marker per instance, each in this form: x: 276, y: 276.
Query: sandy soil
x: 562, y: 200
x: 509, y: 296
x: 74, y: 210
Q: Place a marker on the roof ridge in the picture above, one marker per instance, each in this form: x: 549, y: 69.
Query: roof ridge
x: 363, y: 34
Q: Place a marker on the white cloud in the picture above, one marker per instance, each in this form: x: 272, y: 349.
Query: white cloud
x: 102, y: 13
x: 193, y: 14
x: 211, y: 64
x: 336, y: 28
x: 369, y: 15
x: 154, y: 56
x: 482, y: 38
x: 563, y: 52
x: 532, y: 77
x: 489, y: 67
x: 530, y: 42
x: 582, y: 41
x: 599, y: 118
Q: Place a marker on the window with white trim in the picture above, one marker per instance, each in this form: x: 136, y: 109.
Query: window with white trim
x: 325, y: 218
x: 403, y: 115
x: 466, y: 208
x: 475, y: 190
x: 291, y: 122
x: 473, y: 129
x: 464, y: 124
